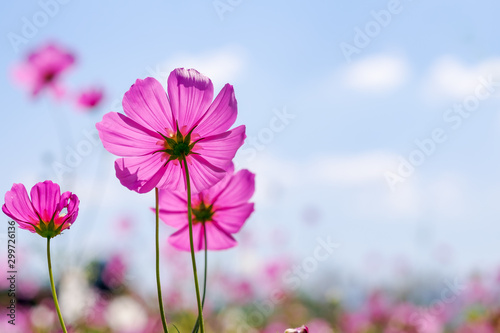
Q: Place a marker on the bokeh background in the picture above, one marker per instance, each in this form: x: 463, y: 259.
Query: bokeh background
x: 372, y: 126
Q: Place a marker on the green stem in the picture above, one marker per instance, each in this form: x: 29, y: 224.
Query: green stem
x: 191, y: 243
x: 54, y: 295
x: 196, y: 327
x: 158, y: 283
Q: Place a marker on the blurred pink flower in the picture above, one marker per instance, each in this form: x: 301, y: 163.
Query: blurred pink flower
x: 233, y: 289
x: 158, y: 130
x: 319, y: 325
x: 90, y: 98
x: 407, y: 317
x: 114, y: 272
x: 241, y: 291
x: 354, y: 322
x: 123, y: 225
x: 477, y: 293
x: 270, y: 274
x: 222, y: 210
x: 96, y: 315
x: 43, y: 68
x: 479, y: 327
x: 301, y: 329
x: 378, y: 307
x: 48, y: 212
x: 275, y: 327
x: 20, y: 317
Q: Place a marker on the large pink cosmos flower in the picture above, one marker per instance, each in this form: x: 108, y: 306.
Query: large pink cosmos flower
x: 42, y: 69
x: 48, y: 212
x: 157, y: 131
x: 221, y: 209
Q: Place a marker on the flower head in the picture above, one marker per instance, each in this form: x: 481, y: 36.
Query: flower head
x: 42, y: 69
x: 221, y: 209
x: 48, y: 212
x: 301, y: 329
x: 158, y: 131
x: 89, y: 99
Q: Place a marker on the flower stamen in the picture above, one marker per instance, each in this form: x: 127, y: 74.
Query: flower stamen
x: 176, y: 145
x: 202, y: 213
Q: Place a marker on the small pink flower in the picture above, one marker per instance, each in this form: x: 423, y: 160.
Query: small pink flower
x: 301, y: 329
x: 90, y: 98
x: 42, y: 69
x: 48, y: 212
x: 222, y: 210
x: 157, y: 131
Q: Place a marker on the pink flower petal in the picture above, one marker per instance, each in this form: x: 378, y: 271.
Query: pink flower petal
x: 176, y: 219
x: 180, y: 238
x: 140, y: 174
x: 147, y: 104
x: 70, y: 202
x: 45, y: 198
x: 122, y: 136
x: 220, y: 149
x: 173, y: 179
x: 220, y: 115
x: 18, y: 207
x: 203, y: 174
x: 173, y: 201
x: 217, y: 238
x: 239, y: 189
x: 232, y: 219
x: 190, y: 96
x: 173, y: 209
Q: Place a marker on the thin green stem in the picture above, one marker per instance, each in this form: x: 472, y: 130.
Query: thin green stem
x: 197, y: 326
x: 158, y: 283
x: 191, y: 243
x: 54, y: 295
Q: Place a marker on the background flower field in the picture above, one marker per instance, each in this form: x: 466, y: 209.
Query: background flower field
x: 372, y: 129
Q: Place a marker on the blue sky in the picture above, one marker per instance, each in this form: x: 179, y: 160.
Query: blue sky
x: 353, y: 120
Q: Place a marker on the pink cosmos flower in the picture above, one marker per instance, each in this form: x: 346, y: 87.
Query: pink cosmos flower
x: 48, y: 212
x: 222, y: 210
x: 89, y: 99
x: 157, y: 131
x: 42, y: 69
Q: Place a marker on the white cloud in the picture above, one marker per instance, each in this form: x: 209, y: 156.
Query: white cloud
x: 357, y: 177
x: 362, y: 177
x: 222, y: 66
x: 377, y: 74
x: 352, y: 169
x: 358, y: 181
x: 345, y: 170
x: 449, y: 77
